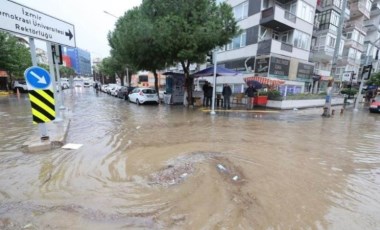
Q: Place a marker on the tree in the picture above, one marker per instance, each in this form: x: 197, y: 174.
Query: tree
x: 188, y: 30
x: 110, y: 66
x: 134, y: 41
x: 374, y: 80
x: 15, y: 57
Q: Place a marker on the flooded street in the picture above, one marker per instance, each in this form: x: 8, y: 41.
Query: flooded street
x: 168, y: 167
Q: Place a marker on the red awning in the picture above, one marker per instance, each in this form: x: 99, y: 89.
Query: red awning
x: 271, y: 82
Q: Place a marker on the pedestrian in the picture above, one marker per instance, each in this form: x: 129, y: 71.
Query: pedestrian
x: 227, y: 92
x: 250, y: 92
x: 204, y: 88
x: 209, y: 95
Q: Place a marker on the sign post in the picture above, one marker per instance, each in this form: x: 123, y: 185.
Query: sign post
x: 23, y: 20
x: 41, y: 97
x: 26, y: 21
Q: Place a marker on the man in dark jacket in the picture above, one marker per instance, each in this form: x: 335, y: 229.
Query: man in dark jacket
x: 227, y: 92
x: 204, y: 88
x: 250, y: 92
x: 209, y: 95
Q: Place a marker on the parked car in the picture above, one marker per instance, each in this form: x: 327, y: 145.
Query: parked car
x: 86, y: 84
x: 114, y: 90
x: 110, y: 86
x: 143, y: 95
x: 103, y: 88
x: 20, y: 86
x: 374, y: 107
x: 124, y: 92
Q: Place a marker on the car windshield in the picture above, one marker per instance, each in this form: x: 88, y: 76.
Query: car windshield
x: 149, y: 91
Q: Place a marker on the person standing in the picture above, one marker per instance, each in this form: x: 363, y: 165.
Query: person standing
x: 250, y: 92
x: 204, y: 88
x: 227, y: 92
x: 209, y: 95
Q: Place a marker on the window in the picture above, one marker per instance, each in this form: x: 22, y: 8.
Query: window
x: 275, y: 36
x: 237, y: 42
x: 284, y: 37
x: 331, y: 41
x: 301, y: 40
x: 338, y: 3
x: 241, y: 11
x: 305, y: 12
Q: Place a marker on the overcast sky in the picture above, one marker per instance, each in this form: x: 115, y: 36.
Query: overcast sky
x: 88, y: 17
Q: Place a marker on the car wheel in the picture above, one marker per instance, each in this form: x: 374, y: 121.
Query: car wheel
x: 138, y: 102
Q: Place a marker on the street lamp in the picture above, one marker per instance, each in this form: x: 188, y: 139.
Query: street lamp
x: 106, y: 12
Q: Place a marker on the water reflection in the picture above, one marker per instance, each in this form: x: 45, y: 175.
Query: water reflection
x: 158, y: 167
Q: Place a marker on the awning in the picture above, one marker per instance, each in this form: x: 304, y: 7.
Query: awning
x: 271, y: 82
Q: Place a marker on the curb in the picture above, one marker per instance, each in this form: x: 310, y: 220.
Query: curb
x: 57, y: 133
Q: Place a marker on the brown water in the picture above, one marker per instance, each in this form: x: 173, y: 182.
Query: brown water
x: 166, y: 167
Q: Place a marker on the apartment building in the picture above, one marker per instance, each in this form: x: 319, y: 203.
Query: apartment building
x: 347, y: 60
x: 275, y: 42
x: 372, y: 40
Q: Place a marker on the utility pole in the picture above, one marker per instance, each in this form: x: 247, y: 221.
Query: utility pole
x: 327, y: 107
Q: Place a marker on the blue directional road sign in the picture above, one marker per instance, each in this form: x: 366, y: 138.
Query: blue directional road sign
x: 37, y: 78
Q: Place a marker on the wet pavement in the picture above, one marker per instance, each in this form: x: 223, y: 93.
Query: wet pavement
x: 170, y: 167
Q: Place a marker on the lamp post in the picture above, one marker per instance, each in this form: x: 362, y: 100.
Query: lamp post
x: 106, y: 12
x: 214, y: 83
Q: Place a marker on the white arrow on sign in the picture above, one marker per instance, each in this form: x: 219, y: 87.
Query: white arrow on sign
x: 41, y: 80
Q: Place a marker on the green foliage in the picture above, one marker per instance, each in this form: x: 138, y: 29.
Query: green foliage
x: 160, y: 33
x: 272, y: 94
x: 14, y: 55
x: 349, y: 91
x: 374, y: 80
x: 66, y: 71
x: 190, y: 29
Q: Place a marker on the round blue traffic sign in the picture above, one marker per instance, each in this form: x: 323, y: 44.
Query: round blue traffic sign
x: 37, y: 78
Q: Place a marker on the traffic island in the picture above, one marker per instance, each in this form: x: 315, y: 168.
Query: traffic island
x: 57, y: 132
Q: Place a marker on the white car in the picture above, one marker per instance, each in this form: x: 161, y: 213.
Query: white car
x: 110, y: 86
x: 143, y: 95
x: 86, y: 84
x: 114, y: 90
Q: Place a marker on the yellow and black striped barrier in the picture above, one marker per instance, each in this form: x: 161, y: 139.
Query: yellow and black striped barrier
x: 43, y: 105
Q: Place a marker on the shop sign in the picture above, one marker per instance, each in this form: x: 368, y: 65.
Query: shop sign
x: 261, y: 65
x: 279, y: 66
x: 305, y: 71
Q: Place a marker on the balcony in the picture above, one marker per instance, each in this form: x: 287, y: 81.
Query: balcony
x: 372, y: 25
x: 323, y: 53
x: 358, y: 9
x: 358, y: 25
x: 347, y: 60
x: 268, y: 46
x: 354, y: 44
x: 375, y: 10
x: 278, y: 19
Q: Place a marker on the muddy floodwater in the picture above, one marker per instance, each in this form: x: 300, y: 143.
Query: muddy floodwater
x: 168, y: 167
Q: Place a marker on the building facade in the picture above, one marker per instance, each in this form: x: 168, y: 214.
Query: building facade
x: 79, y: 60
x: 275, y: 42
x: 372, y: 40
